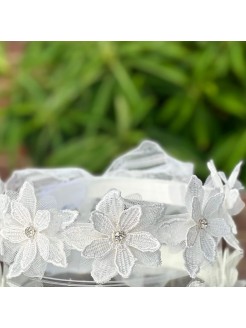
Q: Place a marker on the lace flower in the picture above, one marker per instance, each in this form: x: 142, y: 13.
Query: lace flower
x: 208, y: 228
x: 34, y: 235
x: 231, y: 186
x: 116, y: 234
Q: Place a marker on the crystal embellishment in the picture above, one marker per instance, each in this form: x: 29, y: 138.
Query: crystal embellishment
x: 119, y: 236
x: 203, y: 223
x: 30, y: 232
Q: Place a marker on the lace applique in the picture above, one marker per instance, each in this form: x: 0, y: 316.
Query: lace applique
x: 33, y: 235
x: 112, y: 236
x: 233, y: 203
x: 209, y: 227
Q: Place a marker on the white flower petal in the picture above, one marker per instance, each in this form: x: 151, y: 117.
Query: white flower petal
x: 194, y: 189
x: 29, y: 254
x: 42, y: 220
x: 218, y: 228
x: 43, y: 246
x: 102, y: 223
x: 234, y: 175
x: 104, y: 269
x: 57, y: 255
x: 143, y: 241
x: 15, y: 268
x: 79, y: 236
x: 234, y: 202
x: 192, y: 236
x: 193, y: 257
x: 217, y: 183
x: 124, y: 261
x: 130, y: 218
x: 213, y: 206
x: 196, y: 209
x: 38, y: 267
x: 20, y: 214
x: 111, y: 205
x: 27, y: 198
x: 98, y: 248
x: 14, y: 234
x: 208, y: 245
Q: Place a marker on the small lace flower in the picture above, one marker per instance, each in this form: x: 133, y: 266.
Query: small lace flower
x: 208, y: 226
x: 230, y: 187
x: 116, y: 235
x: 34, y: 235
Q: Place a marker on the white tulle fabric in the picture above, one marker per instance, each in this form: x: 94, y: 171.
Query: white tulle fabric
x: 114, y: 234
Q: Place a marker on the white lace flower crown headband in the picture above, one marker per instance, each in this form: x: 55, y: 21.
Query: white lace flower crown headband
x: 67, y: 222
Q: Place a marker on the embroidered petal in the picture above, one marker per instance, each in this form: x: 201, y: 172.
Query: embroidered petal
x: 194, y: 189
x: 218, y: 228
x: 97, y: 249
x: 130, y: 218
x: 14, y: 234
x: 29, y: 254
x: 43, y: 246
x: 27, y: 198
x: 104, y: 269
x: 196, y: 209
x: 102, y: 223
x: 193, y: 258
x: 208, y: 245
x: 143, y: 241
x: 57, y: 255
x: 42, y: 220
x: 111, y: 205
x: 213, y: 205
x: 192, y: 236
x: 20, y: 213
x: 124, y: 261
x: 15, y: 268
x: 81, y: 235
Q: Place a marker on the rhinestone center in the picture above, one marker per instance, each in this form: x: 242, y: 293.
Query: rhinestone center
x: 119, y: 236
x: 203, y: 223
x: 30, y: 232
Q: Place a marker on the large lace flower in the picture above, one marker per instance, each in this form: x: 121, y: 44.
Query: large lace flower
x: 208, y: 228
x: 34, y: 235
x: 116, y: 235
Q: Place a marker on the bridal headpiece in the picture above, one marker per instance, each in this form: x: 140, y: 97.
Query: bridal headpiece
x: 146, y: 210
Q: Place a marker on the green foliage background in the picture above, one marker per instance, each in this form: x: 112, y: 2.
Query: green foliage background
x: 83, y: 103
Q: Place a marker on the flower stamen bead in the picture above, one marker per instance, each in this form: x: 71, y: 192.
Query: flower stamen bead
x: 203, y: 223
x: 30, y: 232
x: 119, y: 236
